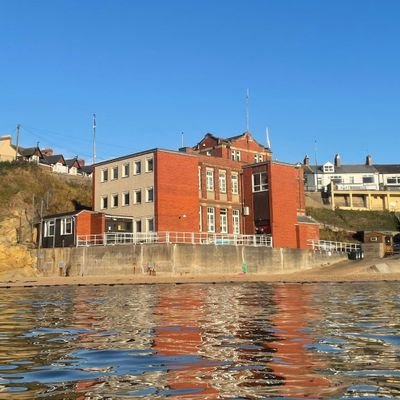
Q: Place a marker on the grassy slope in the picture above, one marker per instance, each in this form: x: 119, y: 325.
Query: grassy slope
x: 352, y: 221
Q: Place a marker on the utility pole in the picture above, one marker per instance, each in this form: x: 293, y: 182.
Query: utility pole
x: 316, y: 166
x: 39, y: 255
x: 17, y: 144
x: 94, y: 139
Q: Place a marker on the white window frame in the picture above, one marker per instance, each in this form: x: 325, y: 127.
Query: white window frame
x: 262, y: 186
x: 125, y: 203
x: 114, y: 173
x: 395, y: 178
x: 103, y: 199
x: 138, y: 221
x: 104, y: 175
x: 137, y: 167
x: 369, y: 177
x: 235, y: 155
x: 50, y: 226
x: 149, y: 162
x: 210, y: 219
x: 222, y: 181
x: 125, y: 170
x: 149, y: 221
x: 66, y: 226
x: 200, y: 219
x: 210, y: 180
x: 148, y: 191
x: 135, y: 196
x: 114, y: 200
x: 327, y: 168
x: 235, y: 183
x: 236, y: 221
x: 223, y: 219
x: 199, y: 177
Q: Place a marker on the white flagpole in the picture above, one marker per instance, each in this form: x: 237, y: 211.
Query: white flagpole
x: 268, y: 142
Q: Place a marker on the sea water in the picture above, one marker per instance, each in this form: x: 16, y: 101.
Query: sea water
x: 201, y: 341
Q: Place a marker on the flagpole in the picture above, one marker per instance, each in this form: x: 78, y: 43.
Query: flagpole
x: 268, y: 142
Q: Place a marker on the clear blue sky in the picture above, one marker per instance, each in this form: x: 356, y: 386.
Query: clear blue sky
x: 323, y: 75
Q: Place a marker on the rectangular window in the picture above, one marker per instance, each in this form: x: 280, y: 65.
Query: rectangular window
x: 149, y: 165
x: 200, y: 219
x: 210, y: 180
x: 66, y: 226
x: 125, y: 170
x: 50, y: 228
x: 223, y: 217
x: 114, y: 173
x: 199, y: 177
x: 222, y: 181
x: 138, y: 226
x: 235, y: 183
x: 114, y: 200
x: 149, y: 195
x: 104, y: 202
x: 336, y: 179
x: 260, y: 182
x: 104, y: 175
x: 138, y: 167
x: 150, y: 225
x: 235, y: 155
x: 211, y: 219
x: 393, y: 180
x: 368, y: 179
x: 236, y: 222
x: 137, y: 196
x: 125, y: 198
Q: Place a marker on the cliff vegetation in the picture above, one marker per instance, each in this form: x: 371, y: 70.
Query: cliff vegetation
x: 26, y: 192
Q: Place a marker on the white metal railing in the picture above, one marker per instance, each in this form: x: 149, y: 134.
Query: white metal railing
x: 107, y: 239
x: 337, y: 247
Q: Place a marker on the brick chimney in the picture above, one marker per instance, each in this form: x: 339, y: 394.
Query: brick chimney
x: 47, y: 152
x: 368, y: 160
x: 306, y: 160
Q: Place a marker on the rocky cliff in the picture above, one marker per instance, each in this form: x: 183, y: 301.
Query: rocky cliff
x: 26, y: 191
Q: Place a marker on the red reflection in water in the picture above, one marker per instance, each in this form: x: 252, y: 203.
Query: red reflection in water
x: 178, y: 334
x: 293, y: 363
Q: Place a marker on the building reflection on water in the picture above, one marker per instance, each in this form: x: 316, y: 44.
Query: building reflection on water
x: 247, y: 340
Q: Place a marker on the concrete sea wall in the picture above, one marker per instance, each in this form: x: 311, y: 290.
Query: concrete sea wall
x: 177, y: 260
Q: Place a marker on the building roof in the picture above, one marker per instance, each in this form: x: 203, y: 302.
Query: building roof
x: 27, y: 151
x: 53, y: 159
x: 343, y: 169
x: 305, y: 219
x: 388, y: 168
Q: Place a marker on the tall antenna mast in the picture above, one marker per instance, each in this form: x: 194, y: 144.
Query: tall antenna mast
x: 94, y: 139
x: 247, y: 110
x: 17, y: 144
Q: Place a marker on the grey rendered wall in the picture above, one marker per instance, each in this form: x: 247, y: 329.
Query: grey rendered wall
x: 177, y: 260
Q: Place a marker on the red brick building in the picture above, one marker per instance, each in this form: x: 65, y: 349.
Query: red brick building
x: 227, y: 186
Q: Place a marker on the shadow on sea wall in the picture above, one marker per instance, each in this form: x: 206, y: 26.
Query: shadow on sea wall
x: 178, y: 260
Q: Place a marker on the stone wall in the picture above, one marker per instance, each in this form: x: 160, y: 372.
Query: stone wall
x: 177, y: 260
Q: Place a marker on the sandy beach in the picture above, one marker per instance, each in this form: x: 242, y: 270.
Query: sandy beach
x: 387, y: 269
